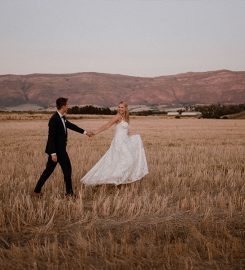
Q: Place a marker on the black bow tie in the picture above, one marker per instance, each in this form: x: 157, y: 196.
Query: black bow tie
x: 63, y: 117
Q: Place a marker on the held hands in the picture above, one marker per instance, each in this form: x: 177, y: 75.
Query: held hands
x: 90, y: 133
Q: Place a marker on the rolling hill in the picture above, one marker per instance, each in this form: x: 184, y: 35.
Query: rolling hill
x: 222, y: 86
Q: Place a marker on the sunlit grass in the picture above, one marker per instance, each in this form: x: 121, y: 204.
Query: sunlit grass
x: 187, y: 213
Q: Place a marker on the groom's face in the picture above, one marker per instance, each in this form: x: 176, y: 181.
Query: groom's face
x: 64, y: 108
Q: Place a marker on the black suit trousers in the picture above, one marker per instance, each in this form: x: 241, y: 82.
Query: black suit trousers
x: 64, y: 161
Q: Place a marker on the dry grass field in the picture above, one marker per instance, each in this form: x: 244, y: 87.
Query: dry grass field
x: 187, y: 213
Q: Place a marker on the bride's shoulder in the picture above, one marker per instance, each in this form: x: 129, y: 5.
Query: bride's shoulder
x: 115, y: 119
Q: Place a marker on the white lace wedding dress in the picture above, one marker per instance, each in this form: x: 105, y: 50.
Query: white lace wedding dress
x: 124, y: 162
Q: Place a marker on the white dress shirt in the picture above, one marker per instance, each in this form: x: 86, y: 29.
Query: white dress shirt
x: 62, y: 119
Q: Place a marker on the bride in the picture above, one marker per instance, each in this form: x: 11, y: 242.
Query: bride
x: 125, y: 160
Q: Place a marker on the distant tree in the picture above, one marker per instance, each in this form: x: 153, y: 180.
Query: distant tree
x: 218, y: 110
x: 89, y: 109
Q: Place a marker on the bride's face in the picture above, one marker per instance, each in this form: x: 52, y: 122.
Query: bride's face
x: 121, y: 108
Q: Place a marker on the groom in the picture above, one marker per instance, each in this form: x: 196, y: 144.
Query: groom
x: 56, y: 147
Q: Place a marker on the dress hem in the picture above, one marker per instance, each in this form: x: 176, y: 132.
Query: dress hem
x: 113, y: 183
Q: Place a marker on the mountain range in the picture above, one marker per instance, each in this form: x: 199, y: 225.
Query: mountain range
x: 222, y: 86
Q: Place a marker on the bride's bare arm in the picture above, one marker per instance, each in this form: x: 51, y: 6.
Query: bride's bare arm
x: 108, y: 124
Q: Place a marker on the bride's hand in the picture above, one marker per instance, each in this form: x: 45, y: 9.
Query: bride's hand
x: 90, y: 134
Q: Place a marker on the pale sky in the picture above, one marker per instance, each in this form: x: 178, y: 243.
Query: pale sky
x: 132, y: 37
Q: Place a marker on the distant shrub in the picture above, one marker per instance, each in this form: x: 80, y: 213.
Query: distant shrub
x: 90, y: 110
x: 218, y: 110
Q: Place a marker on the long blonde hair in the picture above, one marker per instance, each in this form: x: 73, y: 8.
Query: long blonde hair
x: 126, y: 113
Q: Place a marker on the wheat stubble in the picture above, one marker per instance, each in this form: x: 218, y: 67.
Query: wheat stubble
x: 188, y: 213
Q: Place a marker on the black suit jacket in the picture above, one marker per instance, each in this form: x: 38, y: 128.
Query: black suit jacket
x: 57, y: 137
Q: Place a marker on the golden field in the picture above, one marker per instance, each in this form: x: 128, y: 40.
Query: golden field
x: 187, y: 213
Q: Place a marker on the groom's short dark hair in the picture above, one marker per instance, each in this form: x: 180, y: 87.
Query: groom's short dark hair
x: 61, y: 101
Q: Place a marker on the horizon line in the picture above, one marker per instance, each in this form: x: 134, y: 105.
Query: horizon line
x: 119, y: 74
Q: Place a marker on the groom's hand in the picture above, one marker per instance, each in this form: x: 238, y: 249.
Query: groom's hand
x: 54, y: 157
x: 90, y: 134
